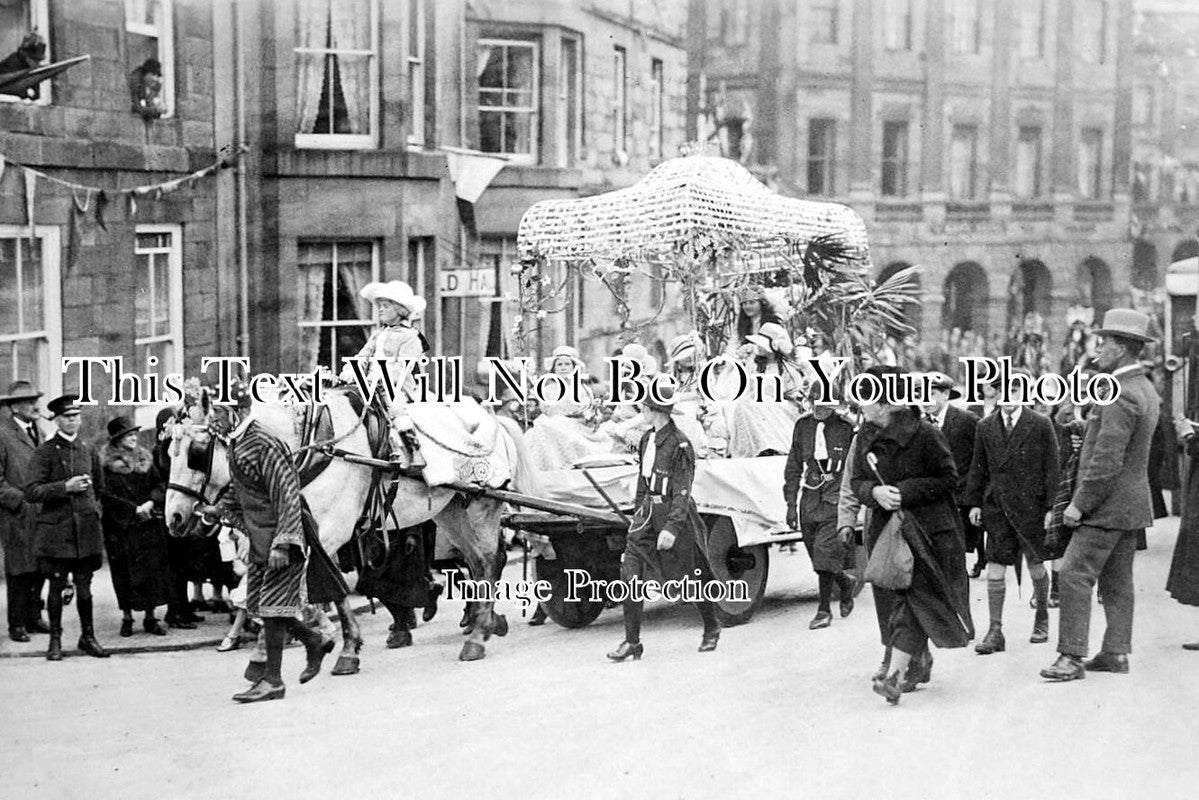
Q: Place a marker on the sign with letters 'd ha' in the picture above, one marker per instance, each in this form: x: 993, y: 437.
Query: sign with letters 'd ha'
x: 466, y: 283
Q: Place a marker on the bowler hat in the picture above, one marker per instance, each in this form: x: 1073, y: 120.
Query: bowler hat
x: 66, y: 405
x: 120, y: 426
x: 18, y: 391
x: 1126, y: 323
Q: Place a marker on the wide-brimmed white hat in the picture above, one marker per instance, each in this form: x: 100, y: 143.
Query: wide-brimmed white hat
x: 563, y: 351
x: 772, y: 336
x: 685, y: 345
x: 397, y: 292
x: 638, y: 352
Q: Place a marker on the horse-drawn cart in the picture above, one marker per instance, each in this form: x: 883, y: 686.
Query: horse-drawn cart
x: 740, y: 501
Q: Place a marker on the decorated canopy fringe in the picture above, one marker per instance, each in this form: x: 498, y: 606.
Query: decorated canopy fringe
x: 661, y: 213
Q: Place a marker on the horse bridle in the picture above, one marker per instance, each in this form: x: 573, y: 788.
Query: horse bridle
x: 199, y: 459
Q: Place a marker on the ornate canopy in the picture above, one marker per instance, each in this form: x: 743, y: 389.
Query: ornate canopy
x: 683, y: 199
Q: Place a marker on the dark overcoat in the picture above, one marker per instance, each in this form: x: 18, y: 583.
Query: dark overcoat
x: 137, y: 548
x: 68, y: 525
x: 960, y: 428
x: 17, y: 515
x: 664, y: 502
x: 1183, y: 583
x: 1014, y: 478
x: 914, y: 458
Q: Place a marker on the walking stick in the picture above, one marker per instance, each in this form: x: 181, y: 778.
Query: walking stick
x: 918, y: 536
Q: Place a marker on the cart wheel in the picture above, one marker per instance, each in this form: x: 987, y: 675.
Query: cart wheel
x: 730, y: 562
x: 575, y: 614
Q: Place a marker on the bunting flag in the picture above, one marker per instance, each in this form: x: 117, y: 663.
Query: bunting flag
x: 3, y: 163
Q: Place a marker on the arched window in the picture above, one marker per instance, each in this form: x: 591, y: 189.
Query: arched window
x: 1095, y: 285
x: 1144, y: 265
x: 1030, y: 293
x: 966, y: 296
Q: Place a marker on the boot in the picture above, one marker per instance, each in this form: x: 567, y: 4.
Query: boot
x: 54, y: 610
x: 54, y: 651
x: 1040, y: 625
x: 993, y: 642
x: 888, y: 688
x: 87, y: 638
x: 430, y: 611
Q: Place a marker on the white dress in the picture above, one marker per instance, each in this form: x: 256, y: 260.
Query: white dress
x: 559, y: 437
x: 759, y: 424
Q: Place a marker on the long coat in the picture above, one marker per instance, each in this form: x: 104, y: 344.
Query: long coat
x: 1112, y: 490
x: 960, y: 429
x: 137, y: 548
x: 664, y: 502
x: 17, y: 515
x: 68, y: 525
x: 914, y: 458
x: 1014, y: 479
x: 1183, y: 583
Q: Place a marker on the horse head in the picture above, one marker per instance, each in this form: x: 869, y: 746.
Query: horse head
x: 199, y: 473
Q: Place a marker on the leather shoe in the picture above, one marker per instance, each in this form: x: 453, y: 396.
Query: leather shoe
x: 152, y: 627
x: 1066, y: 668
x: 993, y: 642
x: 89, y: 645
x: 627, y: 650
x: 126, y: 628
x: 709, y: 641
x: 846, y: 606
x: 263, y: 690
x: 18, y: 635
x: 180, y: 623
x: 919, y: 671
x: 1191, y: 646
x: 822, y: 620
x: 1108, y: 662
x: 54, y: 652
x: 1040, y: 627
x: 316, y: 654
x: 888, y: 688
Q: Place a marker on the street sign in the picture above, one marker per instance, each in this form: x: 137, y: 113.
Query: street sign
x: 466, y: 282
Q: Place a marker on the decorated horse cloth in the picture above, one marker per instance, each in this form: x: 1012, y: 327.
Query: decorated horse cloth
x: 462, y: 443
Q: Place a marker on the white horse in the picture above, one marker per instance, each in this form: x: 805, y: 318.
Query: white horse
x: 471, y: 525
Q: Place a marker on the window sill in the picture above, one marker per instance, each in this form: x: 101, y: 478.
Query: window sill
x: 896, y: 210
x: 334, y: 141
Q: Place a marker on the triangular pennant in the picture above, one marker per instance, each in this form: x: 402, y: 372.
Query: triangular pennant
x: 3, y: 163
x: 101, y: 204
x: 132, y: 205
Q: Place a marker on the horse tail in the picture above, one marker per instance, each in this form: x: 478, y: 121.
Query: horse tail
x: 524, y: 472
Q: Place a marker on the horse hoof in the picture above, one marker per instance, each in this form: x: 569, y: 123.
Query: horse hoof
x: 468, y: 630
x: 346, y: 665
x: 501, y: 625
x: 399, y: 639
x: 471, y: 651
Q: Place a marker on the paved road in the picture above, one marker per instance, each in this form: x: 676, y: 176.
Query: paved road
x: 778, y: 710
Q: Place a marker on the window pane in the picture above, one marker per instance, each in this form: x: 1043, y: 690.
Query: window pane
x: 32, y: 286
x: 9, y: 308
x: 141, y: 298
x: 24, y: 359
x: 162, y: 296
x: 491, y: 69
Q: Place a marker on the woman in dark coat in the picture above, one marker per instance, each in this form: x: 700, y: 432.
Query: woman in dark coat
x: 134, y: 536
x: 1183, y: 583
x: 919, y: 477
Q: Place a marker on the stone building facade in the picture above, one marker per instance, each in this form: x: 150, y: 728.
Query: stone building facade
x: 987, y: 141
x: 81, y: 278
